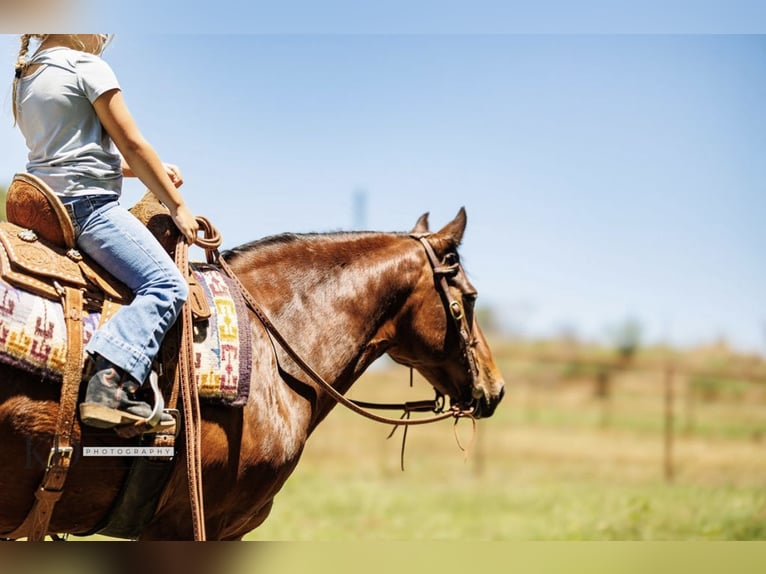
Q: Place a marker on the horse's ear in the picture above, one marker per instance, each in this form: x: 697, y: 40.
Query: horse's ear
x: 422, y: 225
x: 452, y: 233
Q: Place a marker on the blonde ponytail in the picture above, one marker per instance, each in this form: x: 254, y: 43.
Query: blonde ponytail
x: 21, y: 63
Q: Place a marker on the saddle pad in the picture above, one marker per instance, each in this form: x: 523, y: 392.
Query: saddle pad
x: 33, y: 332
x: 33, y: 337
x: 222, y: 343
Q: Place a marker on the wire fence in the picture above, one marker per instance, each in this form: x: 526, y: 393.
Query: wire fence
x: 669, y: 395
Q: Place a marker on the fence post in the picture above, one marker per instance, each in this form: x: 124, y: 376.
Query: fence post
x: 669, y: 422
x: 604, y: 395
x: 690, y: 425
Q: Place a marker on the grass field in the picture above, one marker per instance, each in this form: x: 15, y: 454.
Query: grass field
x: 554, y: 463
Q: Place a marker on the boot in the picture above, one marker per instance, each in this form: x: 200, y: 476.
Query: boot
x: 110, y: 401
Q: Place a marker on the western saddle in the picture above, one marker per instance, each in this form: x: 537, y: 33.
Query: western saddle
x: 38, y: 254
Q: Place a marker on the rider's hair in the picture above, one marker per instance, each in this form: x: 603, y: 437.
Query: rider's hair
x: 21, y: 64
x: 22, y: 61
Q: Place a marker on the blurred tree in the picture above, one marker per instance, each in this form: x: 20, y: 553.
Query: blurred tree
x: 626, y: 338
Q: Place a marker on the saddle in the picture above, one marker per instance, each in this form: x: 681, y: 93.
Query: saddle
x: 38, y: 251
x: 38, y: 254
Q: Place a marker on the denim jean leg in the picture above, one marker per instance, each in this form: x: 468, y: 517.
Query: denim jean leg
x: 122, y: 245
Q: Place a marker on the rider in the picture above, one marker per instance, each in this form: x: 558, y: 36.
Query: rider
x: 82, y: 140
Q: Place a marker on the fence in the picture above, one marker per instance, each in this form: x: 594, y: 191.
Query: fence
x: 668, y: 394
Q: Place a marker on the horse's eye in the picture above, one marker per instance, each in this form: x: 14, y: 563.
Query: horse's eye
x: 451, y: 259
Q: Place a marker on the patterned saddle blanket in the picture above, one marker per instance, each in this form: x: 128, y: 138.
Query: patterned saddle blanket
x: 33, y: 336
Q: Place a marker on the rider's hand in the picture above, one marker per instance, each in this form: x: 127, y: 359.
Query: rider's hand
x: 174, y: 174
x: 186, y: 223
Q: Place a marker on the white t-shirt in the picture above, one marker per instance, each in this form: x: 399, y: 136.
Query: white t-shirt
x: 69, y: 149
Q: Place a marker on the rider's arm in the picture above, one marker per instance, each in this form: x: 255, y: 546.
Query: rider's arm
x: 174, y: 173
x: 141, y: 159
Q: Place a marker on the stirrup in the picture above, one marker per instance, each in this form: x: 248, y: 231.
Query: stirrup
x: 152, y: 424
x: 159, y: 401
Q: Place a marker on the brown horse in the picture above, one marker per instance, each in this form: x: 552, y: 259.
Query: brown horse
x: 342, y: 300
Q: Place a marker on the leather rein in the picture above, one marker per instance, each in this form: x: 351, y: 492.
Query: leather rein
x: 210, y: 242
x: 455, y: 310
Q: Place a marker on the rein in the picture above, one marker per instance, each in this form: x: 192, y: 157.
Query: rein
x: 212, y: 240
x: 190, y: 400
x: 362, y: 408
x: 359, y: 408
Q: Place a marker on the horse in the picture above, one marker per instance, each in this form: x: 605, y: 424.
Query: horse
x: 342, y: 300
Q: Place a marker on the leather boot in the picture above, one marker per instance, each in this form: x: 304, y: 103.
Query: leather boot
x: 110, y: 401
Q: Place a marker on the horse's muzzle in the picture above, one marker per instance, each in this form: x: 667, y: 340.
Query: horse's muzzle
x: 486, y: 405
x: 481, y: 404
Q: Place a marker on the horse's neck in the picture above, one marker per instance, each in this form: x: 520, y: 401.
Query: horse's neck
x: 330, y: 296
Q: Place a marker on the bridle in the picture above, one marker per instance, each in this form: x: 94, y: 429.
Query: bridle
x: 436, y: 405
x: 210, y: 242
x: 463, y: 326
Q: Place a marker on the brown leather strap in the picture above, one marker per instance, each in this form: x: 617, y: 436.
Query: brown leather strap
x: 455, y: 307
x: 171, y: 350
x: 190, y: 400
x: 36, y: 524
x: 352, y: 405
x: 211, y: 239
x: 200, y: 309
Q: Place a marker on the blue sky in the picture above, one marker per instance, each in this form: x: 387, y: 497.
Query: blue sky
x: 605, y: 176
x: 426, y: 16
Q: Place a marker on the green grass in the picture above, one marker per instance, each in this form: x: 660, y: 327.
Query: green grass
x: 555, y: 463
x: 317, y: 507
x: 546, y: 467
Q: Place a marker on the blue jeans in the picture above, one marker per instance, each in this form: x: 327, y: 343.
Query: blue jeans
x: 124, y: 247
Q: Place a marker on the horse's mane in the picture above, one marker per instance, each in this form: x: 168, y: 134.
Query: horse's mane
x: 293, y: 239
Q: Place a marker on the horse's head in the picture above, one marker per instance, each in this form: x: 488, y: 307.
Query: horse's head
x: 437, y: 332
